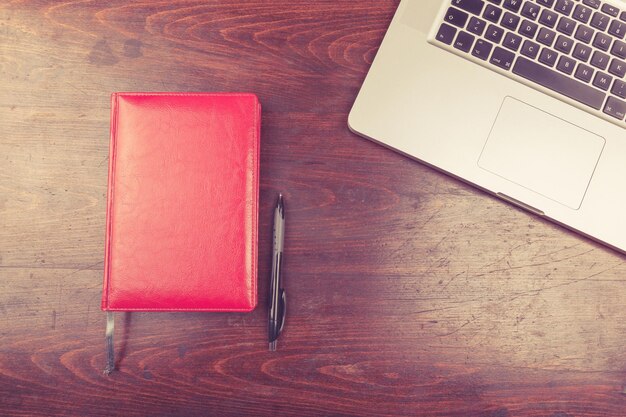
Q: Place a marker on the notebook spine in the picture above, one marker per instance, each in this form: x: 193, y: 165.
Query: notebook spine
x: 110, y: 196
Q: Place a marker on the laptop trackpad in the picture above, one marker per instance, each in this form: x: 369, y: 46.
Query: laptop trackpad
x: 541, y: 152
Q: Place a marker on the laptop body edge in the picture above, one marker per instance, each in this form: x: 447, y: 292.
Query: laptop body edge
x: 442, y: 110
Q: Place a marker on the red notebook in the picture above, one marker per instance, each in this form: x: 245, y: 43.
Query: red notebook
x: 182, y: 208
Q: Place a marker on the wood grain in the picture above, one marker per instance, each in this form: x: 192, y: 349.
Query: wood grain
x: 409, y: 293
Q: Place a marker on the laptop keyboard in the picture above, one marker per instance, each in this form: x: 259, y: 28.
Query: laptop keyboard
x: 573, y: 48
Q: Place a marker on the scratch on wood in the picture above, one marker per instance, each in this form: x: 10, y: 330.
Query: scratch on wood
x: 441, y: 241
x: 76, y: 271
x: 466, y: 273
x: 457, y: 329
x: 537, y: 291
x: 80, y: 90
x: 106, y: 159
x: 533, y: 265
x: 430, y: 218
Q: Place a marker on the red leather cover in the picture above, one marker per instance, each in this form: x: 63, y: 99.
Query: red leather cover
x: 182, y: 208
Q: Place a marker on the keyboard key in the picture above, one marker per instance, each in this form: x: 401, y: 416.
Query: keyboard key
x: 584, y: 73
x: 566, y: 26
x: 492, y: 13
x: 482, y: 49
x: 584, y: 33
x: 512, y: 5
x: 548, y: 18
x: 602, y: 81
x: 611, y: 10
x: 582, y: 52
x: 456, y: 17
x: 446, y: 34
x: 547, y: 3
x: 619, y: 49
x: 622, y: 16
x: 600, y: 21
x: 564, y: 6
x: 592, y: 3
x: 617, y: 29
x: 619, y: 88
x: 531, y: 10
x: 548, y: 57
x: 582, y: 13
x: 530, y: 49
x: 600, y: 60
x: 558, y: 82
x: 566, y: 65
x: 528, y: 29
x: 602, y: 41
x: 464, y: 41
x: 476, y: 26
x: 564, y: 44
x: 472, y: 6
x: 512, y: 41
x: 502, y: 58
x: 615, y: 108
x: 494, y: 33
x: 510, y: 21
x: 498, y: 2
x: 618, y: 68
x: 546, y: 36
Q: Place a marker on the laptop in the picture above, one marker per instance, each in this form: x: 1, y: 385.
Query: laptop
x: 525, y: 99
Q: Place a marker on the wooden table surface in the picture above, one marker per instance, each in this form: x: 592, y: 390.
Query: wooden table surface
x: 409, y: 293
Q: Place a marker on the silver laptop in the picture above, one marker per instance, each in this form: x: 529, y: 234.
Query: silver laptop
x: 523, y: 98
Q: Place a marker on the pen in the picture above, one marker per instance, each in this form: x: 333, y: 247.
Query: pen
x: 277, y: 303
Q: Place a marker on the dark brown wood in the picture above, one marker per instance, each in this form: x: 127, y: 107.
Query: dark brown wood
x: 409, y: 293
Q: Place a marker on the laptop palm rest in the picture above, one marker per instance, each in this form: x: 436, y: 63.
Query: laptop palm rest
x: 540, y: 152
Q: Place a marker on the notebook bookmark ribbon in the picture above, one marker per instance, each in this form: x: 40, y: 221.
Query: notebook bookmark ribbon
x: 108, y: 340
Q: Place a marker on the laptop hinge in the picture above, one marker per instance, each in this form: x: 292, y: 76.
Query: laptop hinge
x: 520, y: 204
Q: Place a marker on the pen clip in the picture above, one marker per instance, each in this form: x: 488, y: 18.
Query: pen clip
x: 283, y: 309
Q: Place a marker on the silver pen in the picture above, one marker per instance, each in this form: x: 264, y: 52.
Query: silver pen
x: 277, y: 301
